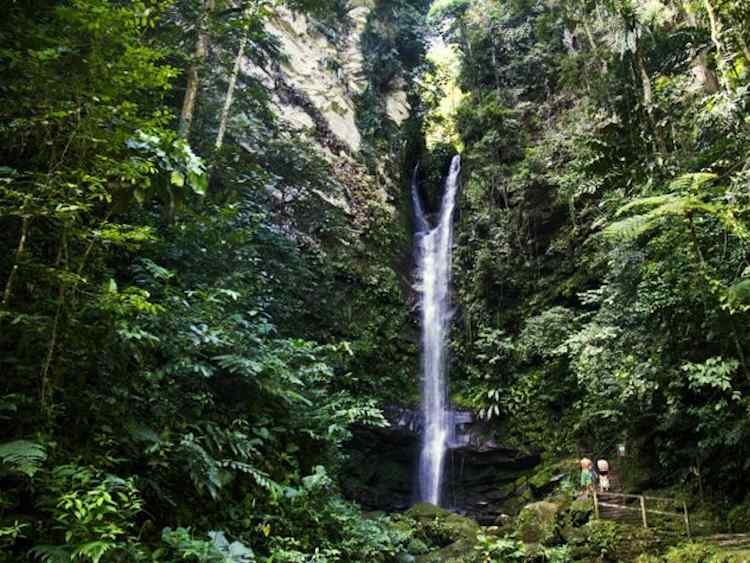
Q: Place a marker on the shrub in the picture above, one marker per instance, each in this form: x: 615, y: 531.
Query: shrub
x: 738, y: 518
x: 94, y: 513
x: 691, y: 553
x: 603, y: 537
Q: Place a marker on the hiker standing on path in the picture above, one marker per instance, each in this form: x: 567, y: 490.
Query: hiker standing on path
x: 603, y: 466
x: 587, y: 476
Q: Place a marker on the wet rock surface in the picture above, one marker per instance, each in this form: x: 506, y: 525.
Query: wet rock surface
x: 485, y: 479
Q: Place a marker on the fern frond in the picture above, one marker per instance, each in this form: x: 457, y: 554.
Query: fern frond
x: 630, y: 228
x: 692, y: 181
x: 646, y: 202
x: 52, y: 553
x: 662, y: 206
x: 93, y: 551
x: 239, y: 365
x: 260, y: 477
x: 733, y: 225
x: 204, y: 470
x: 23, y: 456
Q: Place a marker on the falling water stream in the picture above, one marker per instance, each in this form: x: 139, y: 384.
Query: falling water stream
x: 434, y: 245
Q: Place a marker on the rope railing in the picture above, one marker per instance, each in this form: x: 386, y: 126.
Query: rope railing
x: 602, y: 500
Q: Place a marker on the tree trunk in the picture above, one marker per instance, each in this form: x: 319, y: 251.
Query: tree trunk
x: 705, y: 75
x: 702, y: 72
x: 193, y: 77
x: 495, y: 69
x: 19, y: 252
x: 648, y: 101
x: 230, y: 93
x: 469, y: 51
x: 648, y: 92
x: 45, y: 395
x: 716, y: 39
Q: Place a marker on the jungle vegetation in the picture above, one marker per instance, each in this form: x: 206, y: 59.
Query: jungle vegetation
x: 190, y: 328
x: 603, y: 247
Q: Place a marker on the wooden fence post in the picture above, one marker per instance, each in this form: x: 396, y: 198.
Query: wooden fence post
x: 643, y: 511
x: 687, y: 519
x: 596, y: 505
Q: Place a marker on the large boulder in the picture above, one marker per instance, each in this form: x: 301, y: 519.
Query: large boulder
x: 456, y: 534
x: 537, y: 523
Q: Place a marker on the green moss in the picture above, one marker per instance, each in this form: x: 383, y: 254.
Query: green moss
x: 542, y: 477
x: 507, y: 489
x: 537, y: 523
x: 542, y: 481
x: 605, y: 541
x: 456, y: 527
x: 417, y: 547
x: 455, y: 535
x: 691, y: 553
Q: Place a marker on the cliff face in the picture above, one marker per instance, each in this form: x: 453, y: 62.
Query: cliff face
x: 315, y: 88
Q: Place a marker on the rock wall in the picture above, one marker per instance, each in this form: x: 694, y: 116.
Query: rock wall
x: 314, y: 89
x: 316, y: 86
x: 484, y: 477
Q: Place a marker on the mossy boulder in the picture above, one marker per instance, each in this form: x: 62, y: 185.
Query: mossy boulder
x: 518, y: 498
x: 575, y: 514
x: 457, y: 526
x: 453, y: 534
x: 609, y: 541
x: 580, y: 511
x: 550, y: 474
x: 537, y: 523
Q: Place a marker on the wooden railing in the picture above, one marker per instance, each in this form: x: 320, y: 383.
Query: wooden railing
x: 604, y: 500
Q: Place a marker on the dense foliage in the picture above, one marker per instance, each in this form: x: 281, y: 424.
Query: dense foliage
x: 602, y: 258
x: 199, y: 301
x: 189, y: 324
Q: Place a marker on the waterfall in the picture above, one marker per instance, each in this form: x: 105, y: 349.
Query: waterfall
x: 434, y: 247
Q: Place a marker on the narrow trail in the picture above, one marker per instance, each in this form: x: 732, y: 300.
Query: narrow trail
x: 666, y: 530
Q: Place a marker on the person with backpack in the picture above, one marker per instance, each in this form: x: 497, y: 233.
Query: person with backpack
x: 603, y: 466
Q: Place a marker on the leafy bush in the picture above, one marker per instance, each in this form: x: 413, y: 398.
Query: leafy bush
x: 94, y: 513
x: 556, y: 554
x: 317, y: 521
x: 738, y: 518
x: 604, y: 537
x: 491, y: 549
x: 184, y: 547
x: 501, y: 550
x: 690, y: 553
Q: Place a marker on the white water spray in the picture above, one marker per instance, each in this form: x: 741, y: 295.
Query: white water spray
x: 434, y: 275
